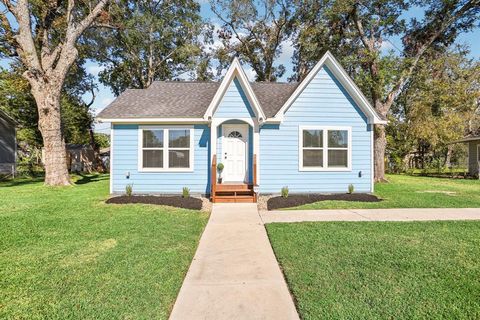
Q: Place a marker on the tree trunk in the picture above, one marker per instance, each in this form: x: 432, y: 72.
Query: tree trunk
x: 448, y: 158
x: 380, y: 144
x: 50, y: 126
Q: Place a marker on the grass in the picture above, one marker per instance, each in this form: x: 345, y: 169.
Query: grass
x: 404, y: 191
x: 65, y: 254
x: 381, y: 270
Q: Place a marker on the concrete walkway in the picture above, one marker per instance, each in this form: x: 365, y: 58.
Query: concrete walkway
x: 234, y: 274
x: 371, y: 215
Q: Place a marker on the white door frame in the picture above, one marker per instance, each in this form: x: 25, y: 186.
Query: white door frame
x: 244, y: 128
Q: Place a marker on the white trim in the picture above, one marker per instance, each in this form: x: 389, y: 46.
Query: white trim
x: 153, y: 120
x: 112, y: 132
x: 478, y: 153
x: 372, y: 159
x: 220, y: 121
x: 325, y: 148
x: 235, y: 70
x: 246, y: 129
x: 165, y: 148
x: 329, y: 60
x: 256, y: 148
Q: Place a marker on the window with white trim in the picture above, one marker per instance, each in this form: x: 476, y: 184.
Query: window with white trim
x: 324, y: 148
x: 166, y: 149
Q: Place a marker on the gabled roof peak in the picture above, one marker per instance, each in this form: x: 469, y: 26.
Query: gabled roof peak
x: 341, y: 75
x: 235, y: 71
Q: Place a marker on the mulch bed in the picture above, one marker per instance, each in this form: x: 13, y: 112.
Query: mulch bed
x: 173, y: 201
x: 300, y: 199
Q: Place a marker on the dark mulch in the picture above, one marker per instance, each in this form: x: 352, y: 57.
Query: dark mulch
x: 300, y: 199
x: 173, y: 201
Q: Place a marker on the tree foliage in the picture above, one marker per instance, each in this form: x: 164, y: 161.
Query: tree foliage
x: 439, y: 105
x: 255, y: 31
x: 149, y: 40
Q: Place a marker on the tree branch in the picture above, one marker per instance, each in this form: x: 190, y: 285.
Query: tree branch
x: 444, y: 25
x: 24, y: 38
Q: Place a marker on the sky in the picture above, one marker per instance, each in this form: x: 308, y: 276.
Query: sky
x: 105, y: 96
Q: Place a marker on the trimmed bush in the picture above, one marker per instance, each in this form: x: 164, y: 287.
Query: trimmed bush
x: 284, y: 192
x: 185, y: 192
x: 129, y: 190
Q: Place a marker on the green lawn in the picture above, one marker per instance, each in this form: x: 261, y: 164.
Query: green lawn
x: 381, y: 270
x: 64, y: 254
x: 404, y: 191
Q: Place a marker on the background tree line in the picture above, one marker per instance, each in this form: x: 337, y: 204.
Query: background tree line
x: 427, y: 87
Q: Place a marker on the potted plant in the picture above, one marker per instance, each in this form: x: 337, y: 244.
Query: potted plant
x: 220, y: 167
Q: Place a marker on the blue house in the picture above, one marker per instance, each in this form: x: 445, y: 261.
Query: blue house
x: 315, y: 136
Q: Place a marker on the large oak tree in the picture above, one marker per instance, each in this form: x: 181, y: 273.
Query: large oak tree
x: 149, y: 40
x: 43, y: 35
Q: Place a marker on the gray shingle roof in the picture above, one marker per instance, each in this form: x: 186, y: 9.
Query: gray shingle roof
x: 188, y: 99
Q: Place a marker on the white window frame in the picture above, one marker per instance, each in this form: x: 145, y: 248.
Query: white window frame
x: 325, y: 148
x: 165, y: 149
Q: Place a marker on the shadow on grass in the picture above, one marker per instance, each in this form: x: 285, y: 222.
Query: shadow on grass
x: 84, y: 178
x: 80, y: 179
x: 20, y: 181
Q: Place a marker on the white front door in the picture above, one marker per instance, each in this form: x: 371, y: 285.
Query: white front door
x: 234, y: 152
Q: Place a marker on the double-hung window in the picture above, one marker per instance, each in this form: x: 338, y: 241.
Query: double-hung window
x: 166, y: 149
x: 325, y: 148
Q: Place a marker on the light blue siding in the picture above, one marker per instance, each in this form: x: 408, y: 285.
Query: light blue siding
x: 125, y: 159
x: 234, y: 103
x: 324, y: 102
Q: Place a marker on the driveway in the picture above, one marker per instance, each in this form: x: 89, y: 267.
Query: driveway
x: 234, y: 274
x: 371, y: 215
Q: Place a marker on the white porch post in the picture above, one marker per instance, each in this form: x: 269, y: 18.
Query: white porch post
x: 213, y: 139
x: 256, y: 147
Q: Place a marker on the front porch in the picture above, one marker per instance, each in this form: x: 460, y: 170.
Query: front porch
x: 231, y: 191
x: 234, y: 143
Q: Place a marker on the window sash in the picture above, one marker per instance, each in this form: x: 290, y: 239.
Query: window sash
x: 166, y: 150
x: 325, y: 149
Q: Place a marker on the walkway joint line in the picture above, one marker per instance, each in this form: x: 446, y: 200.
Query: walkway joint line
x: 234, y: 274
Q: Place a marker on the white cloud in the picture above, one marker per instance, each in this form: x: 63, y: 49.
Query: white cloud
x: 95, y: 69
x: 287, y: 52
x: 386, y: 46
x: 106, y: 101
x: 250, y: 73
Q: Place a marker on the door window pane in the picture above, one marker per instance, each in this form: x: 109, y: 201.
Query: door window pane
x: 337, y: 138
x: 179, y: 138
x: 153, y: 158
x: 338, y: 158
x: 312, y: 138
x: 153, y: 138
x: 179, y: 159
x: 312, y: 158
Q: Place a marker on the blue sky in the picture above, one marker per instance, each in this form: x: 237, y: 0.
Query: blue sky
x: 105, y: 96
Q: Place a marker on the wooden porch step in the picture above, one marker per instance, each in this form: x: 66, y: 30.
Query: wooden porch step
x: 239, y: 192
x: 234, y: 199
x: 233, y: 187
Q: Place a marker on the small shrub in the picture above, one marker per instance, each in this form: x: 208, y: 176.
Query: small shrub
x: 351, y: 188
x: 284, y: 192
x: 128, y: 190
x: 220, y: 166
x: 185, y: 192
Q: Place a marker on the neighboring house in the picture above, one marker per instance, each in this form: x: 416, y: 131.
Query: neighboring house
x: 473, y: 144
x: 315, y: 136
x: 105, y: 157
x: 80, y: 157
x: 8, y: 144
